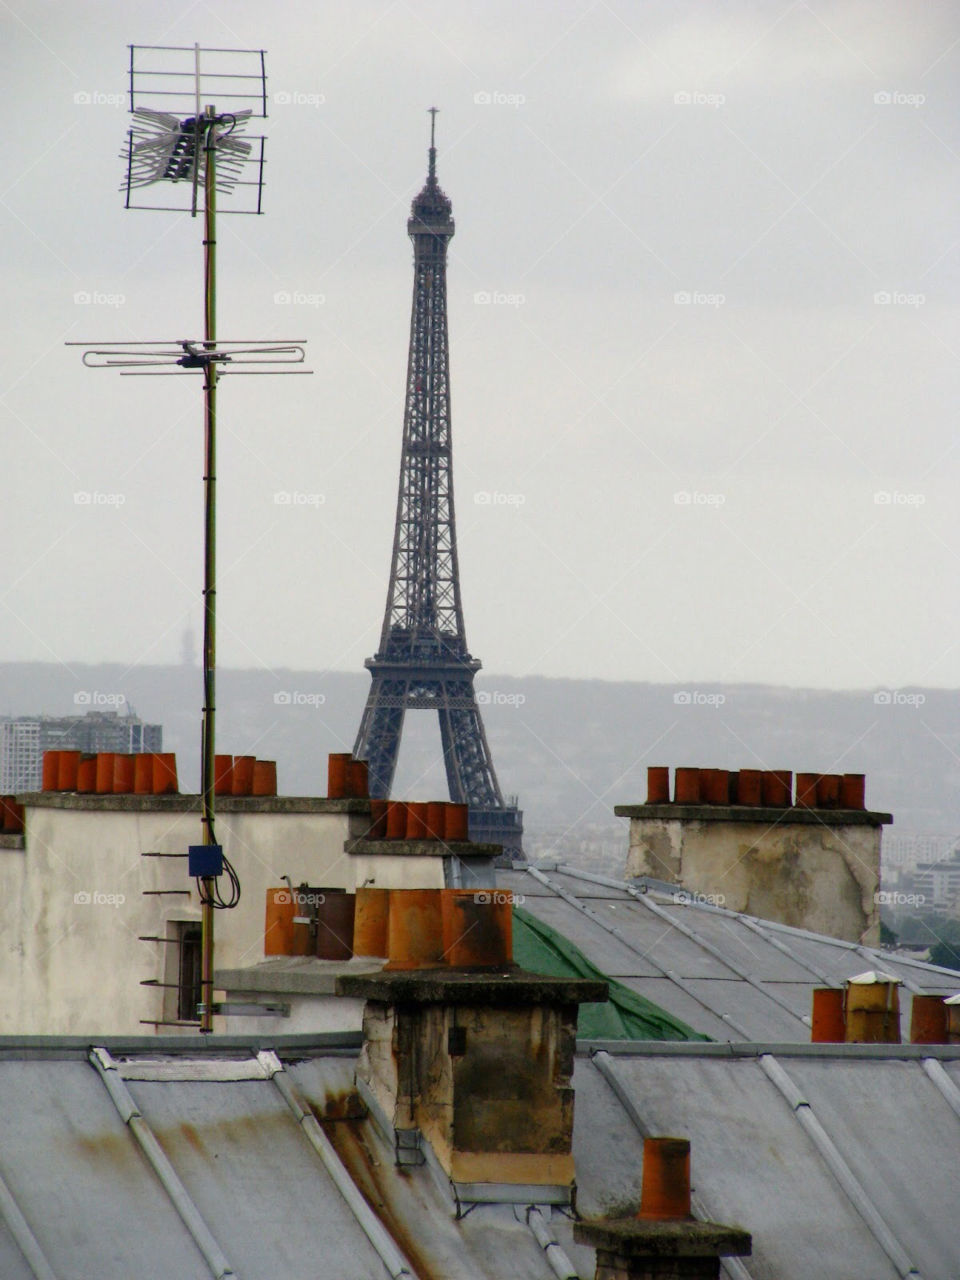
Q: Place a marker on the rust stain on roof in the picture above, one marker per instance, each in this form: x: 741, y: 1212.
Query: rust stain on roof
x: 372, y: 1179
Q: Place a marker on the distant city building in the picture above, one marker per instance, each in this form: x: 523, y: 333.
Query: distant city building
x: 24, y: 739
x: 938, y: 883
x: 906, y: 849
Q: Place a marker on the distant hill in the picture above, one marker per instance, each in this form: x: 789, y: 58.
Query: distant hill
x: 570, y: 749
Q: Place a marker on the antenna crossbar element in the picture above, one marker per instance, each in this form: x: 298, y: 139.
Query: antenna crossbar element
x: 186, y: 75
x: 168, y: 143
x: 165, y: 150
x: 191, y: 355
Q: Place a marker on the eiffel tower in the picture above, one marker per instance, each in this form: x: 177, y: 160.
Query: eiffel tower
x: 423, y: 662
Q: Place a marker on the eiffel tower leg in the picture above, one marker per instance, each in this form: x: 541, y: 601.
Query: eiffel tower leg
x: 378, y: 740
x: 470, y: 773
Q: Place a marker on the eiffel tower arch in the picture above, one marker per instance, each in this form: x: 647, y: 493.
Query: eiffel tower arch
x: 423, y: 662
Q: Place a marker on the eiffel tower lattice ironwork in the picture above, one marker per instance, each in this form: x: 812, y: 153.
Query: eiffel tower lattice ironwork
x: 423, y: 662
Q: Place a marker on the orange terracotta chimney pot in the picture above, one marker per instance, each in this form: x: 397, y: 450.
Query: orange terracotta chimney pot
x: 686, y: 786
x: 358, y: 780
x: 104, y: 782
x: 778, y: 788
x: 87, y: 774
x: 658, y: 784
x: 223, y: 775
x: 11, y: 816
x: 396, y: 820
x: 122, y: 774
x: 714, y: 786
x: 264, y: 778
x: 436, y: 821
x: 67, y: 765
x: 828, y: 791
x: 807, y: 790
x: 243, y: 775
x: 665, y: 1188
x: 51, y: 770
x: 416, y: 821
x: 143, y: 774
x: 827, y: 1025
x: 853, y: 791
x: 928, y: 1020
x: 456, y: 822
x: 164, y: 781
x: 337, y: 774
x: 378, y: 820
x: 477, y: 928
x: 415, y: 929
x: 750, y: 787
x: 370, y: 921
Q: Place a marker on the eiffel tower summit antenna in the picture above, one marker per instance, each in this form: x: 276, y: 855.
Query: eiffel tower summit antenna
x: 423, y: 662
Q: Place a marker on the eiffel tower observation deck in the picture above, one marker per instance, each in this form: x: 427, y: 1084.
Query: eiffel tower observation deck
x: 423, y: 662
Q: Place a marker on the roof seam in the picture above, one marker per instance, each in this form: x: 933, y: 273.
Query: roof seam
x: 560, y: 1264
x: 390, y: 1255
x: 717, y: 954
x: 607, y: 1068
x: 937, y: 1075
x: 159, y: 1161
x: 767, y: 927
x: 830, y: 1153
x: 22, y: 1233
x: 631, y: 946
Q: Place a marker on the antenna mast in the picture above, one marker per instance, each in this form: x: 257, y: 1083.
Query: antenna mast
x: 205, y: 152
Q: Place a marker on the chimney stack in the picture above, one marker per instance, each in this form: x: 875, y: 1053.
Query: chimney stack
x: 749, y: 841
x: 663, y: 1241
x: 468, y: 1063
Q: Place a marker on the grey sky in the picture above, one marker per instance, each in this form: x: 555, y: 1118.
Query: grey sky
x: 781, y: 400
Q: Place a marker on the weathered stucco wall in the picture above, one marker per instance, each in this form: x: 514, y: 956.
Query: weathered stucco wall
x: 816, y: 875
x: 76, y: 901
x: 499, y: 1108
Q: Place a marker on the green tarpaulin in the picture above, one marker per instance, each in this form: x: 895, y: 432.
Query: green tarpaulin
x: 625, y: 1016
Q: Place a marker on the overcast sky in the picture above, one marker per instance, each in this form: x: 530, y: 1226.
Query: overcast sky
x: 703, y: 323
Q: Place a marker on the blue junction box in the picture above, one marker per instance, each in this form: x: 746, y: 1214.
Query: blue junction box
x: 205, y: 860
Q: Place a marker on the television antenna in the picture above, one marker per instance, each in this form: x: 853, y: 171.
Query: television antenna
x: 185, y: 155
